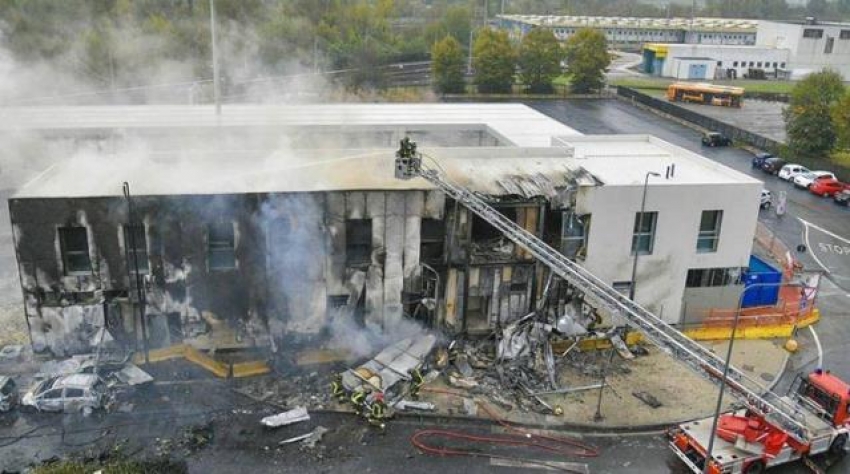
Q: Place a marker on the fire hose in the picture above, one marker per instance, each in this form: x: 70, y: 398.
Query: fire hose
x: 564, y: 446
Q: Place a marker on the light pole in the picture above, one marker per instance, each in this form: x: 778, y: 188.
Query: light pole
x: 726, y: 365
x: 640, y: 229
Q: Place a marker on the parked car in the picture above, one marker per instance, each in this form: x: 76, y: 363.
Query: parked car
x: 759, y: 158
x: 70, y: 393
x: 772, y: 165
x: 8, y: 393
x: 805, y: 180
x: 715, y: 139
x: 827, y: 187
x: 791, y: 170
x: 766, y: 199
x: 842, y: 198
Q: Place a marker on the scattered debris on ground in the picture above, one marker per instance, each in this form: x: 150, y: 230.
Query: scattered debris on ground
x: 648, y: 399
x: 296, y: 415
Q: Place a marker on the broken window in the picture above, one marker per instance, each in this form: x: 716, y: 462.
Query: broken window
x: 135, y: 244
x: 358, y: 242
x: 337, y: 301
x: 622, y: 287
x: 221, y: 246
x: 812, y: 33
x: 482, y: 230
x: 709, y: 231
x: 74, y: 243
x: 73, y: 393
x: 830, y: 42
x: 431, y: 240
x: 643, y: 239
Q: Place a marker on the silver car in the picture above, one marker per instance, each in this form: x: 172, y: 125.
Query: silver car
x: 69, y: 393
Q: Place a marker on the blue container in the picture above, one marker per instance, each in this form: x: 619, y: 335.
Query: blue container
x: 761, y: 272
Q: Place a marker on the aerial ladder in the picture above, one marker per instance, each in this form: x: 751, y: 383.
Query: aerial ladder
x: 780, y: 412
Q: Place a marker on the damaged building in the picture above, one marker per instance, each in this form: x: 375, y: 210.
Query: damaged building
x: 270, y: 225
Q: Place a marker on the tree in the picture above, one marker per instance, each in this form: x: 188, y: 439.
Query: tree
x: 808, y: 123
x: 447, y: 66
x: 494, y: 61
x: 540, y: 57
x: 841, y: 121
x: 587, y: 58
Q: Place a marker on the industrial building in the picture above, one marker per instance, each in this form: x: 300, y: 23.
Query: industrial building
x: 812, y: 44
x: 689, y: 61
x: 630, y: 32
x: 267, y: 224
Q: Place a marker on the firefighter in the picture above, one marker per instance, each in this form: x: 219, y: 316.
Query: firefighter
x: 416, y: 381
x: 377, y: 411
x: 337, y: 389
x: 358, y: 399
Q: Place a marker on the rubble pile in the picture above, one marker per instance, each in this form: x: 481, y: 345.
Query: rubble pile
x: 309, y: 390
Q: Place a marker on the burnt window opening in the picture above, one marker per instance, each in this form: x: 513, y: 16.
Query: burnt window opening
x: 432, y: 235
x: 482, y: 230
x: 337, y: 301
x: 519, y: 287
x: 358, y: 242
x: 711, y: 277
x: 136, y: 245
x: 221, y: 246
x: 74, y: 244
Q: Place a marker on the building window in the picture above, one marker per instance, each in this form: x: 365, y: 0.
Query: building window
x: 719, y: 63
x: 136, y: 247
x: 643, y: 238
x: 431, y: 240
x: 74, y: 244
x: 812, y: 33
x: 735, y: 64
x: 221, y: 246
x: 782, y: 65
x: 827, y: 48
x: 845, y: 34
x: 752, y: 63
x: 358, y: 242
x: 622, y: 287
x: 758, y: 64
x: 709, y: 231
x: 709, y: 277
x: 774, y: 65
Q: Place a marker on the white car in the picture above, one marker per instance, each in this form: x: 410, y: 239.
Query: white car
x: 791, y: 171
x: 68, y: 393
x: 805, y: 180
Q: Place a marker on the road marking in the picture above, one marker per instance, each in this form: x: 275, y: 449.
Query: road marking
x: 809, y: 246
x: 547, y: 465
x: 831, y: 234
x: 820, y: 349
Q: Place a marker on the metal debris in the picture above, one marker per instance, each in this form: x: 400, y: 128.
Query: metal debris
x: 648, y: 399
x: 405, y: 405
x: 132, y: 375
x: 570, y: 389
x: 296, y: 415
x: 461, y: 382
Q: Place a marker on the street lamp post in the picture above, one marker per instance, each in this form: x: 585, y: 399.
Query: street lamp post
x: 640, y: 228
x: 713, y: 432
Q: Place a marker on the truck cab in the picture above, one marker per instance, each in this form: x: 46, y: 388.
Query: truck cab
x: 828, y: 395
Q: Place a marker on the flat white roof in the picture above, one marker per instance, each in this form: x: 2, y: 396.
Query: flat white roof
x: 514, y: 124
x: 624, y: 160
x: 615, y: 160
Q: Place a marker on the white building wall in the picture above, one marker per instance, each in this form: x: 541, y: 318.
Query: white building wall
x: 727, y: 57
x: 661, y: 275
x: 681, y: 68
x: 809, y: 54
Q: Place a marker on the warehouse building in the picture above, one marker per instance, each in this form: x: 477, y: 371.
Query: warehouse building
x: 630, y: 32
x: 690, y: 61
x: 271, y: 224
x: 812, y: 44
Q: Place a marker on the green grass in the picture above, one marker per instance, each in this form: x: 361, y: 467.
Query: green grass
x: 660, y: 83
x: 563, y: 81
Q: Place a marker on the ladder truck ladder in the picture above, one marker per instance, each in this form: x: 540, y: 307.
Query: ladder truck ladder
x: 600, y: 295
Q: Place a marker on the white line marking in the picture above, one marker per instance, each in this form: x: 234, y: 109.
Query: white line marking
x: 817, y: 343
x: 831, y: 234
x: 809, y: 246
x: 547, y: 465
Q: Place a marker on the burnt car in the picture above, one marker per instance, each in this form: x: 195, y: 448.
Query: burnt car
x: 772, y: 165
x: 758, y: 158
x: 77, y: 393
x: 8, y: 393
x: 715, y: 139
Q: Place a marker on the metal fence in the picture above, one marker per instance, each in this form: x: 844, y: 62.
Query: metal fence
x: 736, y: 133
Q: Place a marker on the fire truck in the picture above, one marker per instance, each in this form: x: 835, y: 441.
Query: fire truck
x: 768, y: 431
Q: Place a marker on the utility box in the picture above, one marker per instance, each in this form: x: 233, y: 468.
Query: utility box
x: 761, y: 272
